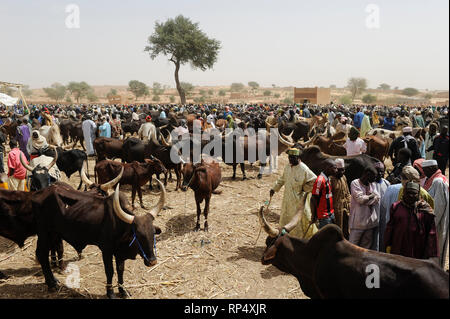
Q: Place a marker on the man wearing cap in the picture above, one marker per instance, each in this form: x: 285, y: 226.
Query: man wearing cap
x: 341, y: 197
x: 147, y: 129
x: 411, y: 230
x: 437, y: 185
x: 440, y: 149
x: 296, y: 179
x: 354, y: 145
x: 405, y: 141
x: 363, y: 216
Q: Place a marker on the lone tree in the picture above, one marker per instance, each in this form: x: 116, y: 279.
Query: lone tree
x: 369, y: 98
x: 356, y: 86
x: 237, y: 87
x: 384, y: 87
x: 79, y: 90
x: 254, y: 85
x: 183, y: 42
x: 410, y: 91
x: 138, y: 88
x: 56, y: 92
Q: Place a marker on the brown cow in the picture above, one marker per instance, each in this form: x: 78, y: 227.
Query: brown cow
x: 107, y: 147
x: 377, y: 147
x: 330, y: 144
x: 203, y: 178
x: 135, y: 174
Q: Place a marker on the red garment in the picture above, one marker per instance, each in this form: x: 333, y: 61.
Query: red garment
x: 20, y: 172
x: 429, y: 181
x: 322, y: 188
x: 412, y: 232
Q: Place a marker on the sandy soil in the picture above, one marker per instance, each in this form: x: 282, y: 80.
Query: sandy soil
x: 222, y: 263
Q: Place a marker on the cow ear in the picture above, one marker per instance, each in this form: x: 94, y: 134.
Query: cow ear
x: 270, y: 253
x: 157, y: 230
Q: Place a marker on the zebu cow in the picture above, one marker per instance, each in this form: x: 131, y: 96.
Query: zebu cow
x: 135, y: 174
x: 203, y: 179
x: 85, y: 218
x: 107, y: 147
x: 328, y: 266
x: 52, y: 134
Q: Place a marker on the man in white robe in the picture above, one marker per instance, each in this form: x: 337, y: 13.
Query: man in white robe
x: 89, y: 129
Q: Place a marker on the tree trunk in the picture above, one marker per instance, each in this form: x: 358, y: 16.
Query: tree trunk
x: 179, y: 88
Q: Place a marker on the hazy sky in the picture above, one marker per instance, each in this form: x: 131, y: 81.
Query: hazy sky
x: 282, y: 42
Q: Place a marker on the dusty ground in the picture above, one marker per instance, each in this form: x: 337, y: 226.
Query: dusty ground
x: 223, y: 263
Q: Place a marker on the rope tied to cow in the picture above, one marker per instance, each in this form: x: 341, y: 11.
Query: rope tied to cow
x: 139, y: 244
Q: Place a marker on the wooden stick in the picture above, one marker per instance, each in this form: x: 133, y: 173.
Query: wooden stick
x: 7, y: 257
x: 220, y: 293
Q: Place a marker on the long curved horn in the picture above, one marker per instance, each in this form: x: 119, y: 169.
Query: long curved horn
x: 270, y: 230
x: 284, y: 142
x: 164, y: 141
x: 164, y: 126
x: 54, y: 161
x: 290, y: 135
x: 298, y: 216
x: 162, y: 198
x: 154, y: 138
x: 84, y: 178
x: 108, y: 185
x: 127, y: 218
x: 28, y: 167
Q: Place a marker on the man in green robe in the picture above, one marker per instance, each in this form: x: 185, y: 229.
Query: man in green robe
x: 298, y: 179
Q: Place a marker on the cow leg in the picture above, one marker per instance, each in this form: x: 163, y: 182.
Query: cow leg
x: 120, y: 267
x: 243, y: 171
x: 170, y: 176
x: 81, y: 182
x: 133, y: 196
x: 3, y: 276
x: 139, y: 190
x: 234, y: 172
x: 42, y: 251
x: 53, y: 260
x: 60, y: 251
x: 206, y: 211
x: 109, y: 271
x: 199, y: 211
x: 178, y: 174
x: 150, y: 187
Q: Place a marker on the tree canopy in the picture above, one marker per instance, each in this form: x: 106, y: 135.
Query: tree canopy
x: 56, y: 92
x: 356, y: 86
x: 237, y: 87
x: 79, y: 90
x: 384, y: 87
x: 183, y: 42
x: 138, y: 88
x: 369, y: 98
x: 410, y: 91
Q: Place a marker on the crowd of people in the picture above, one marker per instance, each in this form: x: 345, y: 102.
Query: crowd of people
x: 404, y: 211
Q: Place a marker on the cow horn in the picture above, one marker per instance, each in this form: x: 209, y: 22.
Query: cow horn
x: 84, y: 178
x: 154, y: 139
x: 162, y: 198
x: 127, y: 218
x: 284, y: 142
x: 273, y: 232
x: 164, y: 126
x: 163, y: 140
x: 106, y: 186
x: 28, y: 167
x: 54, y: 161
x: 297, y: 218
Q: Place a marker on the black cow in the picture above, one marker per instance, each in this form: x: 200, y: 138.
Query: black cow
x: 328, y: 266
x: 84, y: 218
x: 354, y: 165
x: 71, y: 161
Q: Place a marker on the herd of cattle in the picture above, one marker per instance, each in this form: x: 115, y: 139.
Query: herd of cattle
x: 327, y: 266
